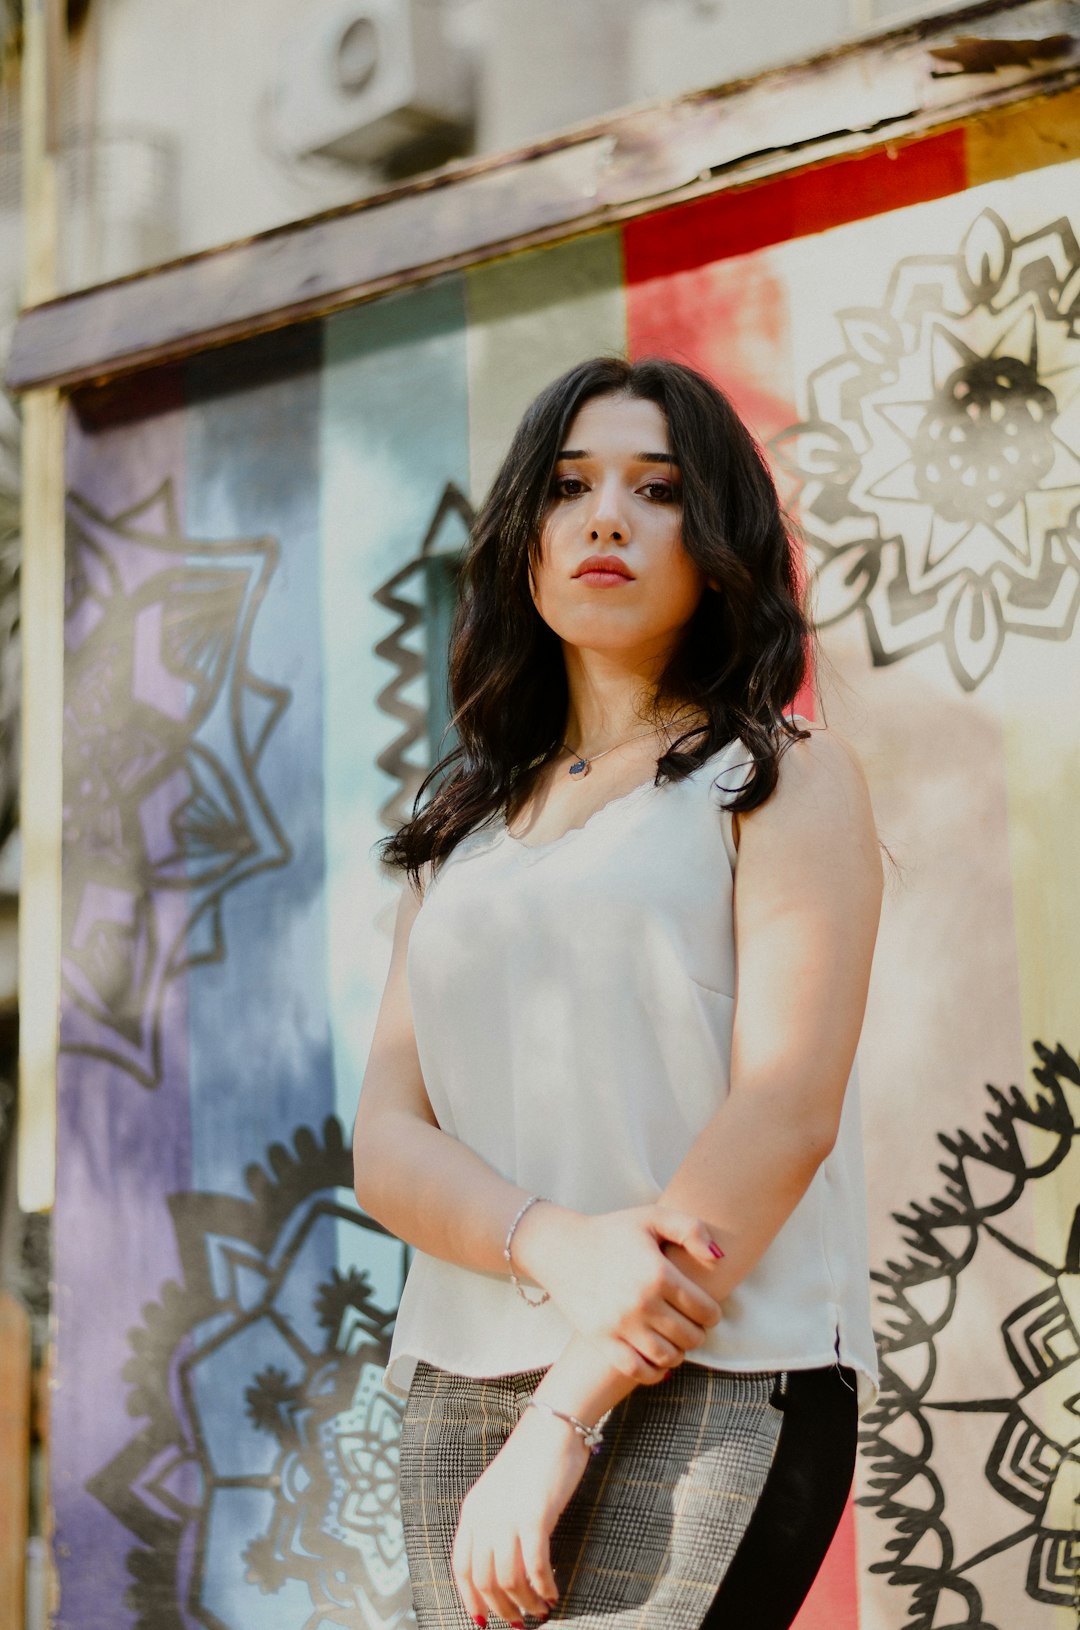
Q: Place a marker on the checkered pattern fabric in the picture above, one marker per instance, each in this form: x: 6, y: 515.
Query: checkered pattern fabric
x: 652, y: 1528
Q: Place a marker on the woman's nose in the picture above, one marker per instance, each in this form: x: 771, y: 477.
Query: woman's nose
x: 608, y: 522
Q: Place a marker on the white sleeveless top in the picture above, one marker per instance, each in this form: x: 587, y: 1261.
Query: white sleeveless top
x: 573, y: 1007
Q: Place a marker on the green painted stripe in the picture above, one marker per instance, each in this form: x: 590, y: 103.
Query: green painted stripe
x: 394, y: 432
x: 531, y: 317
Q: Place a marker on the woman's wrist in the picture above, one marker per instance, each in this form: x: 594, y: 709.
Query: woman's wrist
x: 582, y: 1382
x: 590, y: 1433
x: 550, y: 1427
x: 544, y: 1230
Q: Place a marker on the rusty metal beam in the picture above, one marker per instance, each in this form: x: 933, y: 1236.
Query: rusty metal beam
x: 888, y: 89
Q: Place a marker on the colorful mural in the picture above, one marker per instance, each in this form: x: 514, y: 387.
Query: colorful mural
x: 262, y: 562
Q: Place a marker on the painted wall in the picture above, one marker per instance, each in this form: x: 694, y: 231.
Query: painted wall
x: 256, y: 551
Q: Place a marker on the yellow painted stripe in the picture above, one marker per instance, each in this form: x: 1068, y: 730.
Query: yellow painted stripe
x: 1042, y: 755
x: 1044, y: 800
x: 532, y: 316
x: 1038, y: 683
x: 1023, y: 138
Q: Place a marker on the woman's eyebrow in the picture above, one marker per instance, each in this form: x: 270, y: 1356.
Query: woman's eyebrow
x: 639, y: 458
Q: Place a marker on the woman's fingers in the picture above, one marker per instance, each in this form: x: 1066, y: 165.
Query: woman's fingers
x: 528, y: 1595
x: 536, y: 1555
x: 679, y: 1228
x: 504, y: 1583
x: 678, y: 1335
x: 691, y: 1301
x: 660, y: 1354
x: 494, y: 1597
x: 461, y: 1567
x: 683, y: 1333
x: 506, y: 1586
x: 628, y: 1361
x: 641, y: 1368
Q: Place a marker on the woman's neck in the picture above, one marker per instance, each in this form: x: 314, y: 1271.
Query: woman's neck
x: 609, y: 701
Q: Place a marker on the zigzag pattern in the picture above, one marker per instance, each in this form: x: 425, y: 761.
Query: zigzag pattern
x: 409, y: 665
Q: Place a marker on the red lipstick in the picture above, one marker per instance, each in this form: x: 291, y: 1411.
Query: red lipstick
x: 604, y: 570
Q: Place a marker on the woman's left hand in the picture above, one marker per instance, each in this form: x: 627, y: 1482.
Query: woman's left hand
x: 502, y: 1550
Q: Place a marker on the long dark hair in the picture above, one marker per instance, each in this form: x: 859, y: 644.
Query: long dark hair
x: 741, y: 660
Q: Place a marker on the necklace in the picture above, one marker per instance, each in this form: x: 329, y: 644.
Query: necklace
x: 582, y: 765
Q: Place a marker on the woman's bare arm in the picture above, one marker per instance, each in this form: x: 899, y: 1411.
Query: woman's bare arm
x: 807, y: 902
x: 423, y: 1185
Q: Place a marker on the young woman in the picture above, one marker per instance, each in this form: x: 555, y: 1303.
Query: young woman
x: 610, y: 1094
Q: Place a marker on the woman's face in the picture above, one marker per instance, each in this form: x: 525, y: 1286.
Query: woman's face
x: 613, y: 575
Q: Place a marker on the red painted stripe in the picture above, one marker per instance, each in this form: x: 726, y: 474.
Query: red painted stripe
x: 734, y: 329
x: 735, y: 223
x: 833, y: 1602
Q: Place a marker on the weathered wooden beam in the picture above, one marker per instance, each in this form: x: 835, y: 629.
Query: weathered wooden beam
x: 888, y: 89
x: 42, y: 613
x: 40, y: 791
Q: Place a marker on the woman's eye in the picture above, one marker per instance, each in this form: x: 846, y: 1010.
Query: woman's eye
x: 568, y: 486
x: 660, y: 491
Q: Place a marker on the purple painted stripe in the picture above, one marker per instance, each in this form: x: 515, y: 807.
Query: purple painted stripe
x: 122, y: 1147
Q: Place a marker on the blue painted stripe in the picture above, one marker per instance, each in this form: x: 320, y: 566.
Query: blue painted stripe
x: 394, y: 433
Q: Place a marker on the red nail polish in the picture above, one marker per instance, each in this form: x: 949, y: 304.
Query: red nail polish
x: 714, y: 1250
x: 479, y: 1619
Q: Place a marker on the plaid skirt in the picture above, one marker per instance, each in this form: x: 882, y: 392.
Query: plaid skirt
x: 651, y: 1529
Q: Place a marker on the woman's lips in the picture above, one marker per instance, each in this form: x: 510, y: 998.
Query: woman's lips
x: 603, y: 571
x: 603, y: 579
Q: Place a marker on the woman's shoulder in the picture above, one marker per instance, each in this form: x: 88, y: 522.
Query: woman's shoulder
x: 820, y: 762
x: 820, y: 754
x: 821, y: 792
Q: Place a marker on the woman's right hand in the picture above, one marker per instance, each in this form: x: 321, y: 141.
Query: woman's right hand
x: 610, y: 1277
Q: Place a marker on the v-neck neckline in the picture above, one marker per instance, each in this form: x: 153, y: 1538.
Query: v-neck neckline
x: 569, y: 832
x: 614, y: 803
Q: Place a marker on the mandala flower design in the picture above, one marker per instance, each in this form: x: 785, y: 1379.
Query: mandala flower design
x: 164, y: 728
x: 938, y: 475
x: 982, y: 1489
x: 268, y: 1462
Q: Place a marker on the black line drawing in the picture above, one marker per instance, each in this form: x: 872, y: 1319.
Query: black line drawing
x: 422, y: 596
x: 958, y: 1548
x: 937, y: 477
x: 164, y: 728
x: 267, y: 1463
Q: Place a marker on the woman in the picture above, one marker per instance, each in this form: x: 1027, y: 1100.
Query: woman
x: 606, y: 1098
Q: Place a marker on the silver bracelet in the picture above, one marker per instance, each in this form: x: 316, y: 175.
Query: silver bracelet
x: 533, y: 1301
x: 591, y: 1436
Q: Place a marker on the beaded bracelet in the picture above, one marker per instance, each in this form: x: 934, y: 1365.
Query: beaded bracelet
x: 531, y: 1301
x: 591, y: 1436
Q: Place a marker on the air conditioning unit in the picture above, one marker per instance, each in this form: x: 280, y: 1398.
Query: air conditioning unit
x: 363, y: 80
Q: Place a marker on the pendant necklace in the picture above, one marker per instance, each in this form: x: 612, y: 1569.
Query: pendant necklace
x: 582, y: 765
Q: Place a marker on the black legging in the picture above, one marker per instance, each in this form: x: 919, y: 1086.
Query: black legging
x: 800, y: 1506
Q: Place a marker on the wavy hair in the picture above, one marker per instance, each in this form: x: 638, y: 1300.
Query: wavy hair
x: 742, y: 657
